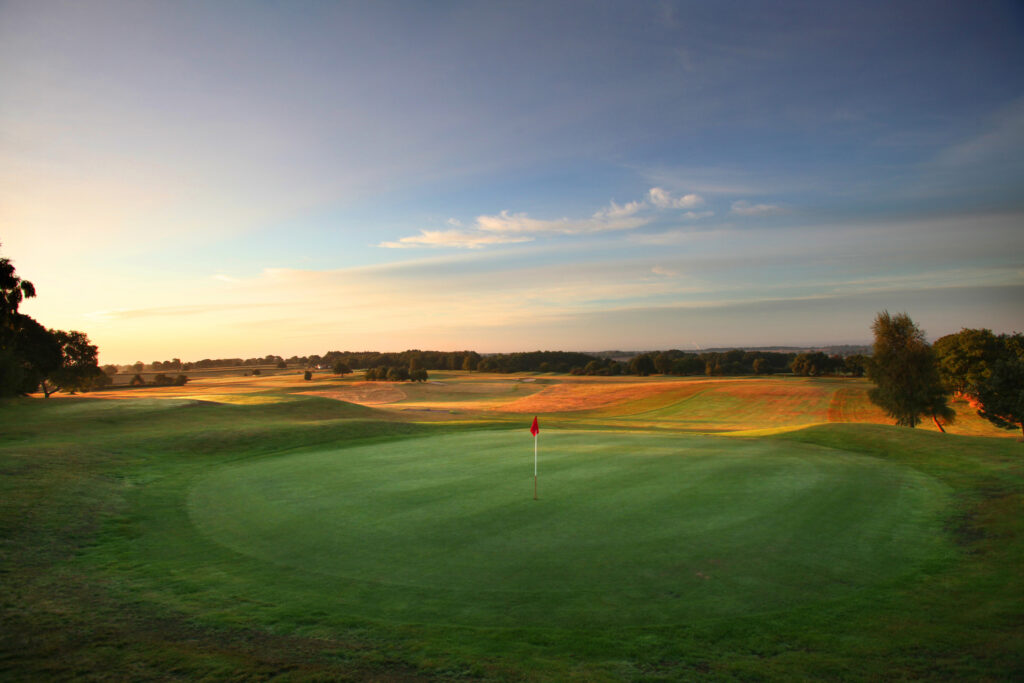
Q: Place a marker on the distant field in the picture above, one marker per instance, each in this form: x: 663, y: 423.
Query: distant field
x: 333, y: 529
x: 690, y: 404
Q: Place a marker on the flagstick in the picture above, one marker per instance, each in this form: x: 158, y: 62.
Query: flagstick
x: 535, y: 466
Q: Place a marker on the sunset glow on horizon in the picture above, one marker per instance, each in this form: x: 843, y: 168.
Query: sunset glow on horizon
x: 203, y: 180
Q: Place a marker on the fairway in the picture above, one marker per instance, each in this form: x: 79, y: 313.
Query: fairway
x: 630, y: 529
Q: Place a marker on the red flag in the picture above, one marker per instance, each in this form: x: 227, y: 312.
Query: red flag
x: 535, y: 428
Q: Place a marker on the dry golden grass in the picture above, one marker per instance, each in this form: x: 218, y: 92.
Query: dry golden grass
x: 686, y: 404
x: 364, y: 393
x: 591, y: 395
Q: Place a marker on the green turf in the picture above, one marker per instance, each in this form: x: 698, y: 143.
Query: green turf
x: 317, y: 540
x: 631, y: 530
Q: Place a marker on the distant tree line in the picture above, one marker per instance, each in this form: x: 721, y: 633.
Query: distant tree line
x: 672, y: 362
x: 739, y: 362
x: 159, y: 380
x: 411, y: 359
x: 34, y: 358
x: 175, y: 364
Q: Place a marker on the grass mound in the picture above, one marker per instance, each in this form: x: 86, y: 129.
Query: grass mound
x: 631, y: 529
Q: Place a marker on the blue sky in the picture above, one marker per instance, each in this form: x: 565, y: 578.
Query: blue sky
x: 239, y: 178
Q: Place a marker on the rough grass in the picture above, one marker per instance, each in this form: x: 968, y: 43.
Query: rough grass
x: 694, y: 404
x: 113, y: 565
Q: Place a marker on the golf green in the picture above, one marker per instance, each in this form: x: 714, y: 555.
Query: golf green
x: 629, y: 529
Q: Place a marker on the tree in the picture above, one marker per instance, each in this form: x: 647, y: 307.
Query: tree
x: 905, y: 373
x: 307, y: 375
x: 1002, y: 395
x: 16, y: 373
x: 341, y: 368
x: 813, y: 364
x: 39, y: 352
x: 855, y: 365
x: 965, y: 360
x: 78, y: 368
x: 642, y: 365
x: 13, y: 290
x: 397, y: 373
x: 986, y: 370
x: 663, y: 363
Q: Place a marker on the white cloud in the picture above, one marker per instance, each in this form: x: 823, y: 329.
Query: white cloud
x: 616, y: 211
x: 664, y: 272
x: 663, y: 199
x: 498, y: 228
x: 745, y: 208
x: 613, y: 218
x: 452, y: 238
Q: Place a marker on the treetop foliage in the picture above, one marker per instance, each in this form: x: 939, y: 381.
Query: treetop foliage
x: 905, y: 373
x: 33, y: 357
x: 987, y: 370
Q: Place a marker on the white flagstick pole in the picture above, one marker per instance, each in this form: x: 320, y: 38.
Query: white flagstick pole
x: 535, y: 466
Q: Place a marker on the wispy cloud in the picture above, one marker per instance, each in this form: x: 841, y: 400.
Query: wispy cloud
x: 745, y: 208
x: 167, y: 312
x: 663, y: 199
x: 1002, y: 140
x: 452, y: 238
x: 614, y: 217
x: 491, y: 229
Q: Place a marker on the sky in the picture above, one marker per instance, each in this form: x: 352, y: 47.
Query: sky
x: 236, y: 179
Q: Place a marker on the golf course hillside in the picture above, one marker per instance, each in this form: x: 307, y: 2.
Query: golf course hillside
x: 338, y: 529
x: 707, y: 405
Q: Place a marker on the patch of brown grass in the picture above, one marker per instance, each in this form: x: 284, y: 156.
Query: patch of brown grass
x: 363, y: 393
x: 570, y: 397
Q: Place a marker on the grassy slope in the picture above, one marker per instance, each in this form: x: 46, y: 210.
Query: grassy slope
x: 73, y: 471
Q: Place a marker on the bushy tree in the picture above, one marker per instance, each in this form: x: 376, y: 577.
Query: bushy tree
x: 965, y: 359
x: 855, y: 365
x: 642, y: 365
x: 341, y: 368
x: 78, y: 370
x: 397, y: 373
x: 1002, y: 395
x: 987, y: 370
x: 905, y: 373
x: 13, y: 290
